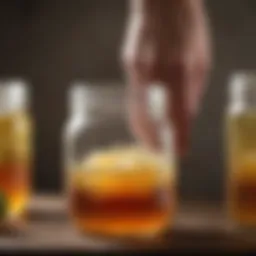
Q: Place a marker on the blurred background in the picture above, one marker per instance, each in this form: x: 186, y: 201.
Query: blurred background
x: 52, y: 42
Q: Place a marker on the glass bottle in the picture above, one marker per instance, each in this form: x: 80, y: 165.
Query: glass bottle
x: 241, y: 151
x: 15, y: 153
x: 116, y: 186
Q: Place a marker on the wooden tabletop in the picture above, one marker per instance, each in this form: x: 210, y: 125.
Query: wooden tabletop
x: 198, y: 227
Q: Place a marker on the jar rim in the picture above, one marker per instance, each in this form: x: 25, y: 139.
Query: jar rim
x: 84, y: 96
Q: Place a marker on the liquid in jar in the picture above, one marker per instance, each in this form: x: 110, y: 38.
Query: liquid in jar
x: 14, y: 168
x: 122, y: 192
x: 242, y: 169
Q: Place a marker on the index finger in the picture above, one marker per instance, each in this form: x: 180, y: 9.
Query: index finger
x: 177, y: 90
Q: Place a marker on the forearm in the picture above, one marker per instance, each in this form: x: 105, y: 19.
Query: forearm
x: 174, y: 18
x: 152, y: 8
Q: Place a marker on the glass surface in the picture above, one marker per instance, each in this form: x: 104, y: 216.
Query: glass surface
x: 116, y: 186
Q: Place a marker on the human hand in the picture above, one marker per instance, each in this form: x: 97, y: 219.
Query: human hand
x: 166, y: 41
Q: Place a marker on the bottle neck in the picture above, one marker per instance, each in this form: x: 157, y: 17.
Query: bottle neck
x: 242, y: 94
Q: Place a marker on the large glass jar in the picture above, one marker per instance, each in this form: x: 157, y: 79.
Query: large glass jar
x: 15, y: 154
x: 116, y: 186
x: 241, y: 151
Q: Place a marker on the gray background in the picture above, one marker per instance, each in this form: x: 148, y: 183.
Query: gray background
x: 52, y: 42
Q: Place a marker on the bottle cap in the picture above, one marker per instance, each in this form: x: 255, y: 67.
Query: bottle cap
x: 242, y: 87
x: 13, y: 95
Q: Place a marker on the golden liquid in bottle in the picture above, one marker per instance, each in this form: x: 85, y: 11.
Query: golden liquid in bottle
x: 122, y: 193
x: 14, y: 168
x: 242, y: 169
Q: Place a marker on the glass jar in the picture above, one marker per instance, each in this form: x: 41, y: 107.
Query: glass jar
x: 241, y: 151
x: 15, y: 154
x: 116, y: 186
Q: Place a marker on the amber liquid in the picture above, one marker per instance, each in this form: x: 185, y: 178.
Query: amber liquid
x: 121, y: 214
x: 15, y: 189
x: 244, y: 205
x: 14, y: 170
x: 123, y: 204
x: 242, y: 172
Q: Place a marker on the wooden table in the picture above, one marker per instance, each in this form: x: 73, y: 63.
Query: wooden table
x: 198, y: 227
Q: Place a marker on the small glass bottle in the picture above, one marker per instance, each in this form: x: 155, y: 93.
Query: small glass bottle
x: 117, y: 187
x: 241, y: 151
x: 15, y: 154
